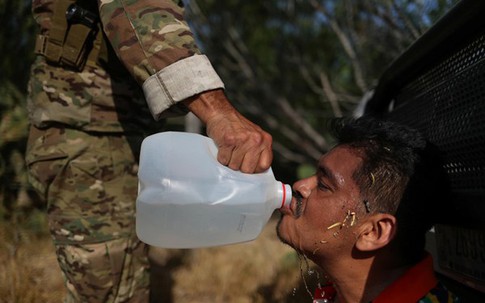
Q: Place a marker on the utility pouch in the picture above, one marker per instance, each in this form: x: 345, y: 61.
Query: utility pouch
x: 82, y: 30
x: 74, y: 36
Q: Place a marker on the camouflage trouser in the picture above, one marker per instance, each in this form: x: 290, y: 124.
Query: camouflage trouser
x: 90, y: 183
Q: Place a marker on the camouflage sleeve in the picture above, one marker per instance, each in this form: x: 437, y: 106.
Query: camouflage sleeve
x: 156, y: 45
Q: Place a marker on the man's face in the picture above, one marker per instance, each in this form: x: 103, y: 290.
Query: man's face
x: 323, y: 218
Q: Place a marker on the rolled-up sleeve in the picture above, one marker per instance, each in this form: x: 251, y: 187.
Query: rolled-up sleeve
x: 157, y: 47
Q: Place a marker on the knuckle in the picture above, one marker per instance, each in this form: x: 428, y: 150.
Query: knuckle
x: 229, y: 139
x: 255, y: 139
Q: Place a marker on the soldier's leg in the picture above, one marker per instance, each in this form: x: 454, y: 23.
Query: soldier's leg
x: 112, y: 271
x: 90, y: 184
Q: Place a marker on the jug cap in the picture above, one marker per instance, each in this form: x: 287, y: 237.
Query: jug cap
x: 286, y: 195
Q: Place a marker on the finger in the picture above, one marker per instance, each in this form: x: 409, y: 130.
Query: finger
x: 257, y: 160
x: 237, y: 158
x: 265, y: 160
x: 245, y: 156
x: 250, y: 161
x: 224, y: 154
x: 266, y: 155
x: 259, y: 155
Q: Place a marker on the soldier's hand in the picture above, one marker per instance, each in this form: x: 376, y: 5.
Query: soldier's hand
x: 242, y: 144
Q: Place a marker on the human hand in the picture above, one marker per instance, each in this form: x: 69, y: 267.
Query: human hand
x: 242, y: 144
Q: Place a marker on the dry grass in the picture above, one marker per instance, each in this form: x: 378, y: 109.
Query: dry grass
x: 263, y: 270
x: 28, y: 267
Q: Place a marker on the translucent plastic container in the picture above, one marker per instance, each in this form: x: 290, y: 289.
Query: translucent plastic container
x: 187, y: 199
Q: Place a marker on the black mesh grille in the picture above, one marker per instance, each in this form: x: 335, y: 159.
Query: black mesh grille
x: 438, y: 87
x: 447, y: 103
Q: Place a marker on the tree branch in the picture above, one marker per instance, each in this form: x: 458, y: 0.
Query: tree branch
x: 346, y: 44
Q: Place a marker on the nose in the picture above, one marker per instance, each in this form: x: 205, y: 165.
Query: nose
x: 304, y: 186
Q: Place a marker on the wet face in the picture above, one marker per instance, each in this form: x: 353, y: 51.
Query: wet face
x: 323, y: 215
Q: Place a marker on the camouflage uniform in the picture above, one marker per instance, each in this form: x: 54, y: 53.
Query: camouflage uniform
x: 86, y: 130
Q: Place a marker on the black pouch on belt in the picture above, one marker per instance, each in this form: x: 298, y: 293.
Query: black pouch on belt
x: 74, y: 38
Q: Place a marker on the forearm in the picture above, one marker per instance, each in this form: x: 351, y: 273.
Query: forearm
x: 206, y: 106
x: 147, y: 35
x: 156, y: 45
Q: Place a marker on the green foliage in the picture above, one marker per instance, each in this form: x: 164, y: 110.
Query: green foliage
x: 319, y: 56
x: 15, y: 192
x: 17, y: 36
x: 305, y: 171
x: 269, y: 53
x: 16, y: 42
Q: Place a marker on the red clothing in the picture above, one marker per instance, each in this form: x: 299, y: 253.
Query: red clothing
x: 417, y: 285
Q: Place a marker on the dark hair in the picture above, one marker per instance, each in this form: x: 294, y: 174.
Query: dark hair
x: 401, y: 174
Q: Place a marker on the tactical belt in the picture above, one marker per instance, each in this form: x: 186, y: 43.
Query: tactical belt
x: 75, y: 38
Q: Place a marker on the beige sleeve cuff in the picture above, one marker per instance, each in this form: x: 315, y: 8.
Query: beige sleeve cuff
x: 178, y: 81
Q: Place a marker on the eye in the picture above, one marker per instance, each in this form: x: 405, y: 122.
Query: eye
x: 323, y: 186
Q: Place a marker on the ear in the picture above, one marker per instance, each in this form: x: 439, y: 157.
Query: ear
x: 376, y: 232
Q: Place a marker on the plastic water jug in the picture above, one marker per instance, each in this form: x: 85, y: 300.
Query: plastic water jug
x: 187, y: 199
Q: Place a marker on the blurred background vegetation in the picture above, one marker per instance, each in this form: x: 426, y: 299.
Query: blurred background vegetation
x: 289, y: 65
x: 16, y: 44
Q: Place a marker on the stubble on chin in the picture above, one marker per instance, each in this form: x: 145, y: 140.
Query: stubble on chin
x: 297, y: 213
x: 279, y: 233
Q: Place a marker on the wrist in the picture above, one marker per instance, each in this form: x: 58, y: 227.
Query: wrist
x: 209, y: 104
